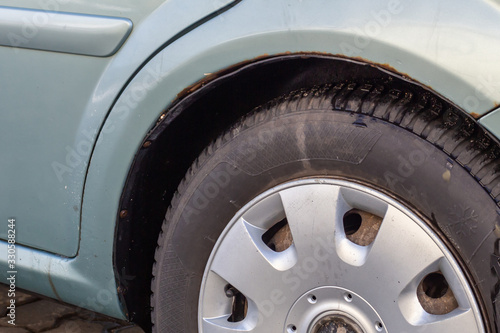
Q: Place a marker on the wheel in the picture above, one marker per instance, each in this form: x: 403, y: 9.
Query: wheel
x: 351, y: 206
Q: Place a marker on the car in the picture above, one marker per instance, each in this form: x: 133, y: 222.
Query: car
x: 254, y: 166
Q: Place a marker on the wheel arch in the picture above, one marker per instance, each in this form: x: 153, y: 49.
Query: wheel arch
x: 201, y: 113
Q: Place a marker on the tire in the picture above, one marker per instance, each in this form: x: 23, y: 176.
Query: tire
x: 399, y: 189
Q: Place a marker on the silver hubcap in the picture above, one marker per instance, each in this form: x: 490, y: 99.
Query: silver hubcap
x: 325, y: 256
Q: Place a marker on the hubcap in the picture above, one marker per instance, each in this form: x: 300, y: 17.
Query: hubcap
x: 325, y: 256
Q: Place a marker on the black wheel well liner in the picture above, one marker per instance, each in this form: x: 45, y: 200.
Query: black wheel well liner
x: 189, y: 125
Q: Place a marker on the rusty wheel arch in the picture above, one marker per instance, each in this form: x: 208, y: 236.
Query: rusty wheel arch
x: 201, y: 113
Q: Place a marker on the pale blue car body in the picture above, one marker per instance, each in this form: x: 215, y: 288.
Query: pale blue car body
x: 77, y: 104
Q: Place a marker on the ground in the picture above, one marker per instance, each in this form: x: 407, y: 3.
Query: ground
x: 36, y: 314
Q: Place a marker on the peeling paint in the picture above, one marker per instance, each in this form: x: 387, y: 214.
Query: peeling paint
x: 53, y: 287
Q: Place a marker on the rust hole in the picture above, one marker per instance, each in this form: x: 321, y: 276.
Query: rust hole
x: 278, y: 238
x: 361, y: 227
x: 435, y: 295
x: 123, y: 213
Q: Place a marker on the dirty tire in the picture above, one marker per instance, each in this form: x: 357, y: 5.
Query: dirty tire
x: 414, y: 148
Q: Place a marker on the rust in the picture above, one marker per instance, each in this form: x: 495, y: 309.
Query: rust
x: 212, y: 76
x: 146, y: 144
x: 475, y: 115
x: 392, y: 69
x: 374, y: 64
x: 53, y: 287
x: 121, y: 290
x: 123, y: 214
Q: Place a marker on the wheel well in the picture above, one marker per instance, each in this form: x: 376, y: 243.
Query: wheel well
x: 188, y: 126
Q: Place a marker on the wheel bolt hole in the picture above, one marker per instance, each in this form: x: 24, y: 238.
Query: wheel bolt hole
x: 378, y: 326
x: 279, y: 237
x: 291, y: 329
x: 361, y: 227
x: 435, y: 285
x: 435, y: 295
x: 312, y: 299
x: 348, y: 297
x: 239, y: 304
x: 352, y: 222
